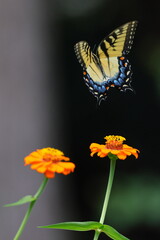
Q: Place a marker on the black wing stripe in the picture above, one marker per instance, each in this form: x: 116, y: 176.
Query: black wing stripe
x: 119, y: 40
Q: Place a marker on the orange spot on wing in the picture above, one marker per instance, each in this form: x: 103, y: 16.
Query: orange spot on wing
x: 121, y: 58
x: 84, y: 73
x: 107, y: 88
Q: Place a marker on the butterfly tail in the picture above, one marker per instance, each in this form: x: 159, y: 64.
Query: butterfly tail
x: 100, y: 99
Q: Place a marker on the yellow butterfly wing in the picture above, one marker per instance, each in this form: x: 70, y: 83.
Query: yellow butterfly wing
x: 118, y: 43
x: 89, y: 61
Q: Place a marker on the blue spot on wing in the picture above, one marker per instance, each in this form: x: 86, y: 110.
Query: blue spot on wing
x: 117, y: 83
x: 123, y: 76
x: 123, y: 69
x: 120, y: 80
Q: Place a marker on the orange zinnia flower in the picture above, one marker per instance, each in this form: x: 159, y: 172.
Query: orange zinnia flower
x: 48, y: 161
x: 115, y: 146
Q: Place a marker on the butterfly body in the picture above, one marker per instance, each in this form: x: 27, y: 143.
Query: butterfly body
x: 109, y: 66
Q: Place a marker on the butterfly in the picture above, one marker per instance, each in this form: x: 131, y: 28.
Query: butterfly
x: 108, y: 66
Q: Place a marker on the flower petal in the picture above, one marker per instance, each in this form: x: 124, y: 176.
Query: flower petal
x: 115, y: 151
x: 48, y: 161
x: 56, y: 168
x: 49, y: 174
x: 31, y: 161
x: 34, y: 166
x: 121, y: 155
x: 127, y: 152
x: 67, y: 166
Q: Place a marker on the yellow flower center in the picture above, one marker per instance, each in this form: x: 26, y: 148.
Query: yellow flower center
x: 114, y: 142
x: 49, y: 157
x: 53, y: 155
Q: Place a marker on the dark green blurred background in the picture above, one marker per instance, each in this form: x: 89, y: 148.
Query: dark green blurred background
x: 65, y: 115
x: 134, y: 207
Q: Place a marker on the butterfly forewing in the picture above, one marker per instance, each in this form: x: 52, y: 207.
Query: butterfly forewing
x: 118, y: 42
x: 88, y: 61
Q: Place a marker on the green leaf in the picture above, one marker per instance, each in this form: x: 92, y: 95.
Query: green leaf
x: 112, y: 233
x: 88, y: 226
x: 21, y: 201
x: 75, y: 226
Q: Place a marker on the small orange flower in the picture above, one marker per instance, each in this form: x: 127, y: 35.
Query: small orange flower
x: 114, y: 145
x: 48, y: 161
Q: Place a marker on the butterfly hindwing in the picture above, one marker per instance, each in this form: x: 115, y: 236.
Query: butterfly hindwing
x: 109, y: 67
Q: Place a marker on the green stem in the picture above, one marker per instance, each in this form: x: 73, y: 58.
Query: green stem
x: 108, y: 191
x: 26, y: 217
x: 96, y: 235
